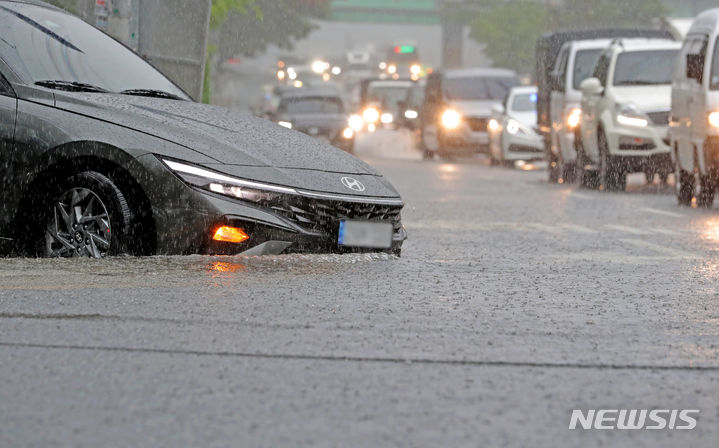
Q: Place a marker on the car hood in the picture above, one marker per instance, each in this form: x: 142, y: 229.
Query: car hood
x: 647, y: 98
x: 528, y: 119
x: 230, y: 137
x: 316, y: 120
x: 474, y: 108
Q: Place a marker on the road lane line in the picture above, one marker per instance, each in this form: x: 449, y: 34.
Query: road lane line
x: 675, y: 253
x: 577, y: 228
x: 663, y: 212
x: 626, y: 229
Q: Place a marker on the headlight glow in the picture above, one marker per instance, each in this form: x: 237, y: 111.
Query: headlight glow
x: 285, y: 124
x: 348, y: 133
x: 451, y: 119
x: 355, y: 122
x: 370, y: 115
x: 512, y: 126
x: 410, y: 114
x: 386, y: 118
x: 493, y: 125
x: 415, y: 69
x: 226, y: 185
x: 714, y: 119
x: 392, y: 69
x: 574, y: 117
x: 629, y: 114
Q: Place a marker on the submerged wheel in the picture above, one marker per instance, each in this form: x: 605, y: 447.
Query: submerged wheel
x: 685, y: 183
x: 708, y: 186
x: 90, y: 218
x: 611, y: 176
x: 588, y: 179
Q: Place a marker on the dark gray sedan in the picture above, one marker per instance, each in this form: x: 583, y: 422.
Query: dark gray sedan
x: 101, y: 154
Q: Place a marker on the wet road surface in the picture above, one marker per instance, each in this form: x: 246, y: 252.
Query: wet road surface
x: 515, y: 301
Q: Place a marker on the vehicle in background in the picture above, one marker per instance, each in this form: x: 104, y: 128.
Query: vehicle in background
x: 318, y: 113
x: 402, y: 62
x: 695, y: 112
x: 548, y: 49
x: 380, y: 102
x: 359, y: 66
x: 410, y: 108
x: 457, y: 108
x: 512, y: 131
x: 625, y: 114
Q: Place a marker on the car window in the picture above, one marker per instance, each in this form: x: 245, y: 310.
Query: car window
x: 714, y: 74
x: 478, y: 88
x: 524, y: 102
x: 311, y: 105
x: 584, y: 63
x: 387, y: 94
x: 601, y: 70
x: 650, y: 67
x: 41, y: 44
x: 561, y: 65
x: 5, y: 88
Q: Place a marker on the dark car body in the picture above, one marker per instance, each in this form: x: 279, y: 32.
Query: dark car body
x: 318, y: 113
x: 290, y: 190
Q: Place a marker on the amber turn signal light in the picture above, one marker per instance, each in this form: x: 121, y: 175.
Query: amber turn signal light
x: 228, y: 234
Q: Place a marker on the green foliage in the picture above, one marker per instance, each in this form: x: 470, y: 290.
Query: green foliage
x: 69, y: 5
x: 221, y: 9
x: 510, y: 30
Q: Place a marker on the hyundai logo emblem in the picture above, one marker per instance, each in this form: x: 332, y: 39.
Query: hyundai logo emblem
x: 352, y: 184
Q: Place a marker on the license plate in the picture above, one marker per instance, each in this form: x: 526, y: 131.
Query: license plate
x: 372, y: 235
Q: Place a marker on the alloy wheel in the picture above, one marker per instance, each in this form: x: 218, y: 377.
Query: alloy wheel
x: 79, y: 226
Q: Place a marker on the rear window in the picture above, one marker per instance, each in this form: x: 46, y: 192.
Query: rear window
x: 478, y: 88
x: 645, y: 68
x: 387, y: 94
x: 584, y: 62
x: 311, y: 105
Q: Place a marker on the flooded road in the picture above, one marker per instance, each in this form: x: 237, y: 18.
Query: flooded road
x: 514, y: 302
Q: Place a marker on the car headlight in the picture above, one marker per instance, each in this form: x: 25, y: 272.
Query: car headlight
x: 411, y: 114
x: 513, y: 126
x: 574, y: 117
x: 713, y: 119
x: 629, y: 114
x: 386, y: 118
x: 451, y: 119
x: 392, y: 69
x: 370, y: 115
x: 348, y: 133
x: 285, y: 124
x: 415, y: 69
x: 226, y: 185
x: 355, y: 122
x: 493, y: 125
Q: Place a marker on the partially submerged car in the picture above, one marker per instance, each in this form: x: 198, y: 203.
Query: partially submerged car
x: 101, y: 154
x: 319, y: 113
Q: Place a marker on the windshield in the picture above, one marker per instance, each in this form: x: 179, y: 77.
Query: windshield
x: 387, y: 94
x: 311, y: 105
x: 476, y: 88
x: 650, y: 67
x: 40, y: 44
x: 524, y: 102
x: 584, y: 62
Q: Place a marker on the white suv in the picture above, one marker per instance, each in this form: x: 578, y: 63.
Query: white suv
x: 625, y: 113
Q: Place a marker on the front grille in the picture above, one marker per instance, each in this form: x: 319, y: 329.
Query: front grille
x: 477, y: 124
x: 659, y: 118
x: 324, y: 216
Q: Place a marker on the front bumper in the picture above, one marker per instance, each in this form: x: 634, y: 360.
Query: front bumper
x: 641, y: 149
x: 186, y: 217
x: 523, y: 146
x: 465, y: 138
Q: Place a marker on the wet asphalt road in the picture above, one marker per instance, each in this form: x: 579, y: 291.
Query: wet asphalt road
x: 514, y: 302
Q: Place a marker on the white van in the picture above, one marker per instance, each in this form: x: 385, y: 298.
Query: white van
x: 575, y: 64
x: 695, y: 112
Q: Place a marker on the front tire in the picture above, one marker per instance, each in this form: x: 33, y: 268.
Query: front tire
x: 708, y: 185
x: 685, y: 183
x: 611, y: 176
x: 87, y: 217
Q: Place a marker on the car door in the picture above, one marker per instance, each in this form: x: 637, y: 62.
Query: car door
x: 557, y: 96
x: 590, y: 108
x: 8, y: 118
x: 697, y: 97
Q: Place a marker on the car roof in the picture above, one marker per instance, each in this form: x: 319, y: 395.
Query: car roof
x: 478, y: 72
x: 522, y: 89
x: 706, y: 22
x: 635, y: 44
x: 588, y: 44
x: 393, y: 83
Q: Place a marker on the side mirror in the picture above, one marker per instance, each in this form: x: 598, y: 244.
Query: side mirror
x: 591, y: 86
x: 498, y: 109
x: 695, y: 67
